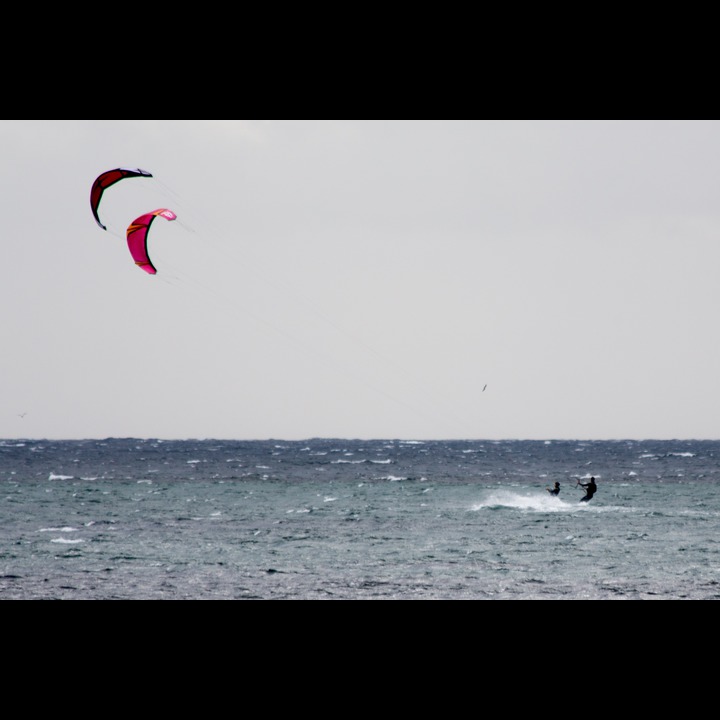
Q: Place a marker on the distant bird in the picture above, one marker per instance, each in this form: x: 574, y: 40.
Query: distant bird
x: 484, y: 388
x: 22, y: 415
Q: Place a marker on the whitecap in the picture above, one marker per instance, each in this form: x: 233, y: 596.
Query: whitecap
x: 62, y: 529
x: 66, y: 541
x: 53, y: 476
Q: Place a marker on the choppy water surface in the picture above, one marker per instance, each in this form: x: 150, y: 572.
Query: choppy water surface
x: 345, y: 519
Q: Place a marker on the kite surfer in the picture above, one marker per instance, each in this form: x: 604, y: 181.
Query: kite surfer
x: 555, y: 490
x: 590, y: 489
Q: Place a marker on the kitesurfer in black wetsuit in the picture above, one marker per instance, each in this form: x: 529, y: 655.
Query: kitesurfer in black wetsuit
x: 554, y: 490
x: 590, y: 489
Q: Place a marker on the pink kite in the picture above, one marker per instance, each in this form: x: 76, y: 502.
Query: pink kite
x: 137, y: 234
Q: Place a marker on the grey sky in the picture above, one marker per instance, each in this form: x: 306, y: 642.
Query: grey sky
x: 364, y: 279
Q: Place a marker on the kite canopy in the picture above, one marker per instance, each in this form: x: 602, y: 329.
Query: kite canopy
x: 104, y: 181
x: 137, y: 234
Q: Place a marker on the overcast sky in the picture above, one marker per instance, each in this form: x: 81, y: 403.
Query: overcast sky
x: 414, y: 279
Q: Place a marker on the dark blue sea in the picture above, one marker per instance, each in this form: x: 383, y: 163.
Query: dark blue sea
x: 325, y: 519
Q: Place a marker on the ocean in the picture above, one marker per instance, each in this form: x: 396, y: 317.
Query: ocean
x: 332, y: 519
